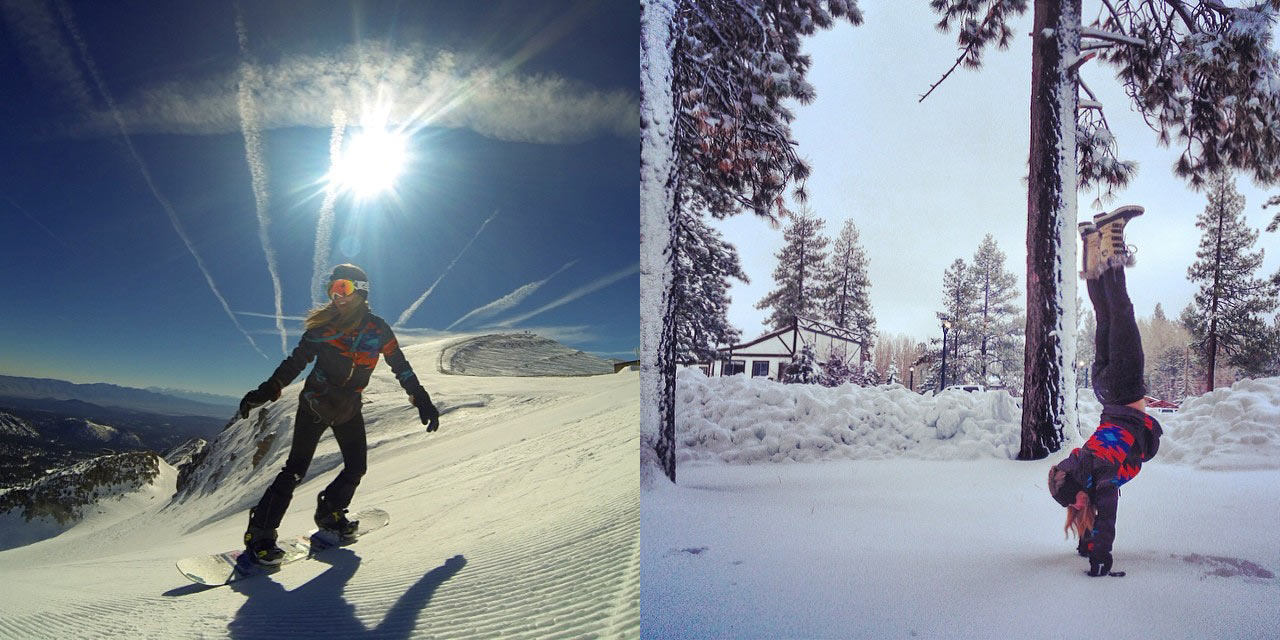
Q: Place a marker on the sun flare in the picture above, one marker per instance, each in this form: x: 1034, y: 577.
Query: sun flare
x: 370, y: 164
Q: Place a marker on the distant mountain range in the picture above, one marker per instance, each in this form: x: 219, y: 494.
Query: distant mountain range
x: 163, y: 402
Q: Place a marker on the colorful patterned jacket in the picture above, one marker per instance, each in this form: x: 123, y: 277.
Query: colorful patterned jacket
x: 1112, y: 456
x: 345, y: 361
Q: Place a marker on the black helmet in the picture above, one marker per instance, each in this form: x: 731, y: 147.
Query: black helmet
x: 1062, y: 483
x: 354, y: 273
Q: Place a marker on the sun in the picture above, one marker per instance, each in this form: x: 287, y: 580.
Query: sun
x: 370, y: 164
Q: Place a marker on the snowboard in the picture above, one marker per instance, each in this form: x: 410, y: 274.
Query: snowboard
x: 230, y: 566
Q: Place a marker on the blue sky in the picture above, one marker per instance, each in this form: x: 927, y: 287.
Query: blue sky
x: 925, y: 181
x: 519, y: 191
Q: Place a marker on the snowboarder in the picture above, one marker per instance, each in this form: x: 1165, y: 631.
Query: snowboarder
x: 345, y: 339
x: 1088, y: 481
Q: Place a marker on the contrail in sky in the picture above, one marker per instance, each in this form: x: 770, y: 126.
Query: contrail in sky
x: 414, y: 307
x: 510, y: 300
x: 575, y: 294
x: 324, y: 226
x: 251, y: 127
x: 69, y: 21
x: 39, y: 224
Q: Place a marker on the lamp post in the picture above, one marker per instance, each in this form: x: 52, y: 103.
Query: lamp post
x: 912, y: 384
x: 946, y: 325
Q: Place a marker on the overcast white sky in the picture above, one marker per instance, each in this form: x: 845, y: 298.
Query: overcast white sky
x: 924, y: 182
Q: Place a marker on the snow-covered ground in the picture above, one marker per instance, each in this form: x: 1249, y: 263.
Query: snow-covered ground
x: 809, y: 512
x: 518, y: 518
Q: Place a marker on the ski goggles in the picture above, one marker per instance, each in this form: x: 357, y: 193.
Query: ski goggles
x: 345, y: 287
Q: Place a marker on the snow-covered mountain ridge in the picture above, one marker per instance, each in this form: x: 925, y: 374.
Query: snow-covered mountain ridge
x: 491, y: 355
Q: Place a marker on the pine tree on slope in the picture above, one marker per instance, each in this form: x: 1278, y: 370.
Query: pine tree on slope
x: 1226, y: 315
x: 802, y: 263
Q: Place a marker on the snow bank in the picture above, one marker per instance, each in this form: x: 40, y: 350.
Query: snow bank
x: 739, y: 419
x: 1234, y: 428
x: 743, y: 420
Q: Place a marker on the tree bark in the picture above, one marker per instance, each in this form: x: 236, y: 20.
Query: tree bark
x: 1048, y: 405
x: 658, y: 207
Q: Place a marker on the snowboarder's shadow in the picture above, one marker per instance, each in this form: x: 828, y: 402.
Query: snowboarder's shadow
x: 319, y: 608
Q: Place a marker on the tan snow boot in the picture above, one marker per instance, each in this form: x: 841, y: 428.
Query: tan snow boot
x: 1090, y: 256
x: 1113, y: 251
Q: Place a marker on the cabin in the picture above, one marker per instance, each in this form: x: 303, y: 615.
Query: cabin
x: 1158, y: 406
x: 769, y: 355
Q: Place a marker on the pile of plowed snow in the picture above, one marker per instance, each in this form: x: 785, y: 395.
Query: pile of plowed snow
x: 739, y: 419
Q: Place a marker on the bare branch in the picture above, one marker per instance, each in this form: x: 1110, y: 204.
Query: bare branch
x: 1182, y: 12
x: 944, y: 76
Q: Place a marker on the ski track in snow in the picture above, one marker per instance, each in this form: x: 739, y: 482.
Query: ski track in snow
x: 519, y: 518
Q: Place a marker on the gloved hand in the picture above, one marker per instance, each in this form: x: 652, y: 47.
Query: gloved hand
x: 266, y: 392
x: 1100, y: 564
x: 1083, y: 547
x: 427, y: 411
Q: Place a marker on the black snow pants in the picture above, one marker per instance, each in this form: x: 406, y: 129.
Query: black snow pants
x: 307, y: 430
x: 1118, y: 360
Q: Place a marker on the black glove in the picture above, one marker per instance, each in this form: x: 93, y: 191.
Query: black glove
x: 266, y: 392
x: 426, y: 411
x: 1100, y: 565
x: 1083, y: 547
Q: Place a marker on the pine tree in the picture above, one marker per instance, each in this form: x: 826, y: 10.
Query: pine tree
x: 802, y: 263
x: 997, y: 332
x: 804, y: 369
x: 847, y: 302
x: 1198, y: 71
x: 893, y: 376
x: 1226, y: 316
x: 870, y: 377
x: 835, y: 371
x: 716, y: 78
x: 1085, y: 345
x: 704, y: 264
x: 959, y: 307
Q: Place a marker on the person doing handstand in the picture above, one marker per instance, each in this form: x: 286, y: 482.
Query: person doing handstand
x: 1088, y: 481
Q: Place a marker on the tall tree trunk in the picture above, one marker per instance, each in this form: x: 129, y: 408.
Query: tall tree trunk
x: 1048, y: 407
x: 658, y: 207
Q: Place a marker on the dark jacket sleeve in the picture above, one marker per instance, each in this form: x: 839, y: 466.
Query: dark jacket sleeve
x: 400, y: 366
x: 289, y: 369
x: 1106, y: 499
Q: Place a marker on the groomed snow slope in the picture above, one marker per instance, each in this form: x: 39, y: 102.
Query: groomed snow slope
x: 909, y: 520
x: 518, y: 518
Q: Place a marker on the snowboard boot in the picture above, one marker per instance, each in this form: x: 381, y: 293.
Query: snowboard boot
x: 334, y: 520
x: 260, y: 544
x: 1090, y: 251
x: 1114, y: 252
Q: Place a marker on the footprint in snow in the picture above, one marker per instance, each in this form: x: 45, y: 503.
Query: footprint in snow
x: 693, y: 551
x: 1226, y: 567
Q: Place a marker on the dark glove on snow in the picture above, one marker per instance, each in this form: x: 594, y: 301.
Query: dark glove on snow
x: 427, y: 412
x: 1100, y: 565
x: 266, y: 392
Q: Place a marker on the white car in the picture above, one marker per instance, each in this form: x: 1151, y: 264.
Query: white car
x: 966, y: 387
